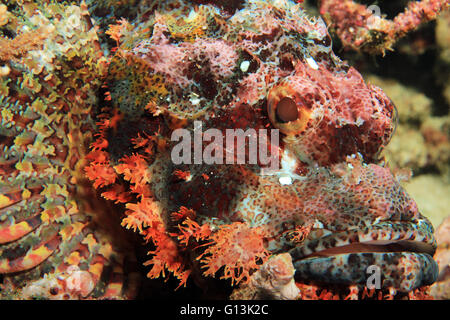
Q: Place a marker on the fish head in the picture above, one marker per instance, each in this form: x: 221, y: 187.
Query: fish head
x: 247, y: 137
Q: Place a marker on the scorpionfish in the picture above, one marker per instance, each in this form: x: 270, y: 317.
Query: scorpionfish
x: 149, y: 154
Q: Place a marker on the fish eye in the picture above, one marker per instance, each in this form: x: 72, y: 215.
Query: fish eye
x: 287, y: 110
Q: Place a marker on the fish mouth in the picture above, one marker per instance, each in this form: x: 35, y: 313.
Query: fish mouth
x: 388, y: 254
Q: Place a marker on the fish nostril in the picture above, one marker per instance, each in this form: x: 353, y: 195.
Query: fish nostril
x: 54, y: 291
x: 287, y: 110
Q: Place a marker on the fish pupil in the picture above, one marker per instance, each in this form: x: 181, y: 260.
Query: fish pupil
x: 286, y: 110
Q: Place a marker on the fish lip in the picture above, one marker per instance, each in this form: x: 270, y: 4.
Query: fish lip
x: 385, y: 236
x: 402, y: 271
x: 344, y: 257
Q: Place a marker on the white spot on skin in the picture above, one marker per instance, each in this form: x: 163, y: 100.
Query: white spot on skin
x: 245, y: 65
x: 312, y: 63
x: 377, y: 220
x: 317, y: 224
x: 285, y: 180
x: 4, y: 71
x: 195, y: 100
x: 288, y: 161
x: 192, y: 15
x: 359, y: 121
x: 287, y: 173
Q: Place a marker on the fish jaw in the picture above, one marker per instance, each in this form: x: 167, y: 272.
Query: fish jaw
x: 338, y: 222
x: 391, y: 236
x: 403, y: 271
x: 401, y: 253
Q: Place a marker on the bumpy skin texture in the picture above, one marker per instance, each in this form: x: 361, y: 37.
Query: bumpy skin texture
x: 232, y: 72
x: 50, y: 245
x: 174, y: 65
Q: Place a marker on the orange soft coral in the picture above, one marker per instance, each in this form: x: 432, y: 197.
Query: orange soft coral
x: 101, y: 174
x: 183, y: 213
x: 116, y: 31
x: 134, y: 169
x: 191, y: 229
x: 146, y: 217
x: 117, y: 194
x: 238, y: 248
x: 166, y: 256
x: 142, y: 214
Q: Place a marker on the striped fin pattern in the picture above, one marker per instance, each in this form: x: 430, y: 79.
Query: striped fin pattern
x: 50, y: 242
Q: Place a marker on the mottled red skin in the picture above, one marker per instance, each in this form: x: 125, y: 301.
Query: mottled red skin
x: 331, y: 152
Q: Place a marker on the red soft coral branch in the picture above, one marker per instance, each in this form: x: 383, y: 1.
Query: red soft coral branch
x: 236, y: 247
x: 100, y: 144
x: 166, y: 256
x: 417, y: 13
x: 102, y: 174
x: 183, y: 213
x: 182, y: 175
x: 116, y: 31
x: 117, y: 194
x: 135, y: 169
x: 145, y: 213
x: 145, y: 216
x: 191, y: 229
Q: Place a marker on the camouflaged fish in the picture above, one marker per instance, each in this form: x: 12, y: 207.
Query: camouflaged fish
x: 265, y: 66
x: 51, y: 243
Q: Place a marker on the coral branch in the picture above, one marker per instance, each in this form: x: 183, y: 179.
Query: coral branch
x: 238, y: 248
x: 362, y: 30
